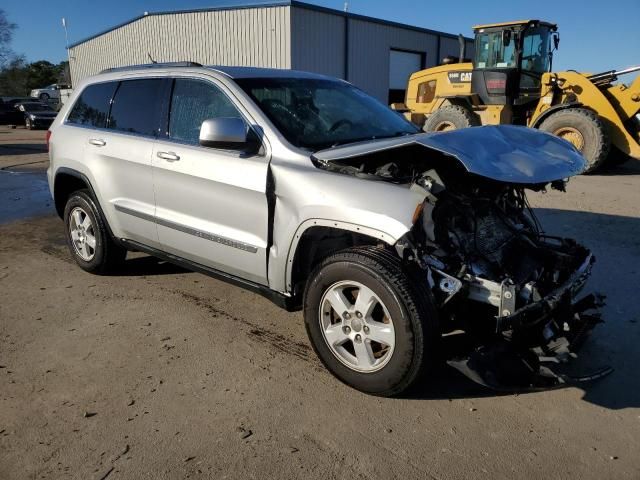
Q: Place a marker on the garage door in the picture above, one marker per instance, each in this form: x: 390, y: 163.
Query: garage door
x: 401, y: 65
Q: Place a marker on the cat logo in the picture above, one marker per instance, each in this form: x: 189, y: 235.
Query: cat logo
x: 459, y: 77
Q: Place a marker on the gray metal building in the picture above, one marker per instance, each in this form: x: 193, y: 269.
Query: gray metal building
x: 374, y: 54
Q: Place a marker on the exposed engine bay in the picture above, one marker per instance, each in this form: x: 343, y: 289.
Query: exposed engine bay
x: 494, y: 273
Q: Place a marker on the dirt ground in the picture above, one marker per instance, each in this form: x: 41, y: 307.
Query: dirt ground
x: 162, y: 373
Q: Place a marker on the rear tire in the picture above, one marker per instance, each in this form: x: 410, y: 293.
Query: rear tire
x: 385, y: 349
x: 450, y: 117
x: 28, y: 125
x: 88, y: 238
x: 584, y: 130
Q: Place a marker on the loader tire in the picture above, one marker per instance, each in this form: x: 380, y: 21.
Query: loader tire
x: 584, y: 130
x: 451, y: 117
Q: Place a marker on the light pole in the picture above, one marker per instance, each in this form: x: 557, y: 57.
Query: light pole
x: 66, y: 40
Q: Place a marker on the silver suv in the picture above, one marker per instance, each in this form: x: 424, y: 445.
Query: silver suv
x: 308, y: 191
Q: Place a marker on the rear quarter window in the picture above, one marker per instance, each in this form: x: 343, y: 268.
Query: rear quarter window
x: 92, y: 107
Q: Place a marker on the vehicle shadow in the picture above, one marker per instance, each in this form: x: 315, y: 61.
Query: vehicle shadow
x: 630, y: 167
x: 22, y: 148
x: 145, y: 265
x: 614, y: 240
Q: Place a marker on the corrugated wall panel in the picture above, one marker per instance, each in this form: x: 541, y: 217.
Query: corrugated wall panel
x: 369, y: 49
x: 317, y: 42
x: 249, y: 36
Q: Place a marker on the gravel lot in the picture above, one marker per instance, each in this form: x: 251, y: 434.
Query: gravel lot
x: 163, y: 373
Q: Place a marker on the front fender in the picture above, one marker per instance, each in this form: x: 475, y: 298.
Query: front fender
x: 310, y: 197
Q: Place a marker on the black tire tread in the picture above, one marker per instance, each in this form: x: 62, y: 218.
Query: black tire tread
x: 452, y: 113
x: 601, y: 138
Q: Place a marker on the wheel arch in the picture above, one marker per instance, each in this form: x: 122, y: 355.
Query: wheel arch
x: 66, y: 181
x: 556, y: 108
x: 316, y: 239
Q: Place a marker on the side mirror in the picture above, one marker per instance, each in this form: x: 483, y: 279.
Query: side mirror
x: 556, y: 40
x: 224, y: 132
x: 506, y: 37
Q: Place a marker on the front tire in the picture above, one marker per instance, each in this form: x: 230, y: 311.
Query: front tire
x: 44, y: 97
x: 584, y: 130
x: 88, y: 239
x: 450, y: 117
x: 370, y: 323
x: 28, y: 124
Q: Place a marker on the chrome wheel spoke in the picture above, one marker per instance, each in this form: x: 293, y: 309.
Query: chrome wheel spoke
x: 364, y: 354
x: 338, y: 301
x: 335, y: 335
x: 381, y: 333
x: 86, y: 223
x: 77, y: 217
x: 365, y: 301
x: 91, y: 241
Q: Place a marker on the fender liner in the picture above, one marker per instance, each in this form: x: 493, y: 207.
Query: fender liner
x: 563, y: 106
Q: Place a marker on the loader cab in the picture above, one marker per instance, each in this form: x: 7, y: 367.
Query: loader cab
x: 510, y: 59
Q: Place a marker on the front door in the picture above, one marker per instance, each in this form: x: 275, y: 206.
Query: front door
x: 211, y: 205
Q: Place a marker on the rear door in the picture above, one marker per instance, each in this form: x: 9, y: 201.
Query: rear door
x: 211, y: 205
x: 120, y: 158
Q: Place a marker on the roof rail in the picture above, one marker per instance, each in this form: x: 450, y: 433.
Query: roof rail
x: 151, y: 65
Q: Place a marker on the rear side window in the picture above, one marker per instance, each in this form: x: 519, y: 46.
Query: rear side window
x: 193, y: 102
x: 92, y: 108
x: 137, y: 107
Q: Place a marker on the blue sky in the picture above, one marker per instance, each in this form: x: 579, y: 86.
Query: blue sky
x: 593, y: 37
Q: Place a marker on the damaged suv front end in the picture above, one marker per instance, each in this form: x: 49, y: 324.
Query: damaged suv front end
x: 493, y: 272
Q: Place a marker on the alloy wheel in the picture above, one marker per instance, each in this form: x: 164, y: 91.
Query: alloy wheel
x: 356, y: 326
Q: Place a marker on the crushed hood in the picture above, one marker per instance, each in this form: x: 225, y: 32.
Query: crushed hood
x: 504, y: 153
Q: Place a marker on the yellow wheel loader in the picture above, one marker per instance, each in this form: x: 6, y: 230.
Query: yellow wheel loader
x: 510, y: 81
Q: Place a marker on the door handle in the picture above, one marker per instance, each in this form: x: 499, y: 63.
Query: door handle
x: 97, y: 142
x: 168, y: 156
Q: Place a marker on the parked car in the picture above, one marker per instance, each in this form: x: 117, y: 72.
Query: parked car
x: 50, y: 92
x: 36, y: 114
x: 13, y: 101
x: 9, y: 115
x: 305, y: 189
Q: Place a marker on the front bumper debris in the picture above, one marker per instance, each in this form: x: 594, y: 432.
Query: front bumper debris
x: 522, y: 361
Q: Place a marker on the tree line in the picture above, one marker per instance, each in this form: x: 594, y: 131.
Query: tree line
x: 17, y: 76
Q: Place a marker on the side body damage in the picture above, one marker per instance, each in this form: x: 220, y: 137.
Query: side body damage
x: 494, y: 274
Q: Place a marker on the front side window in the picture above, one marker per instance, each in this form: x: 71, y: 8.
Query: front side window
x: 319, y: 113
x: 137, y: 106
x: 92, y: 107
x: 193, y: 102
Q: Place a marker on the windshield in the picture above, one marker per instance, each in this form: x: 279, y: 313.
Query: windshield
x: 318, y: 113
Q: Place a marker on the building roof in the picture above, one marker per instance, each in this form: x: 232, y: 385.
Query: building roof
x: 239, y: 4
